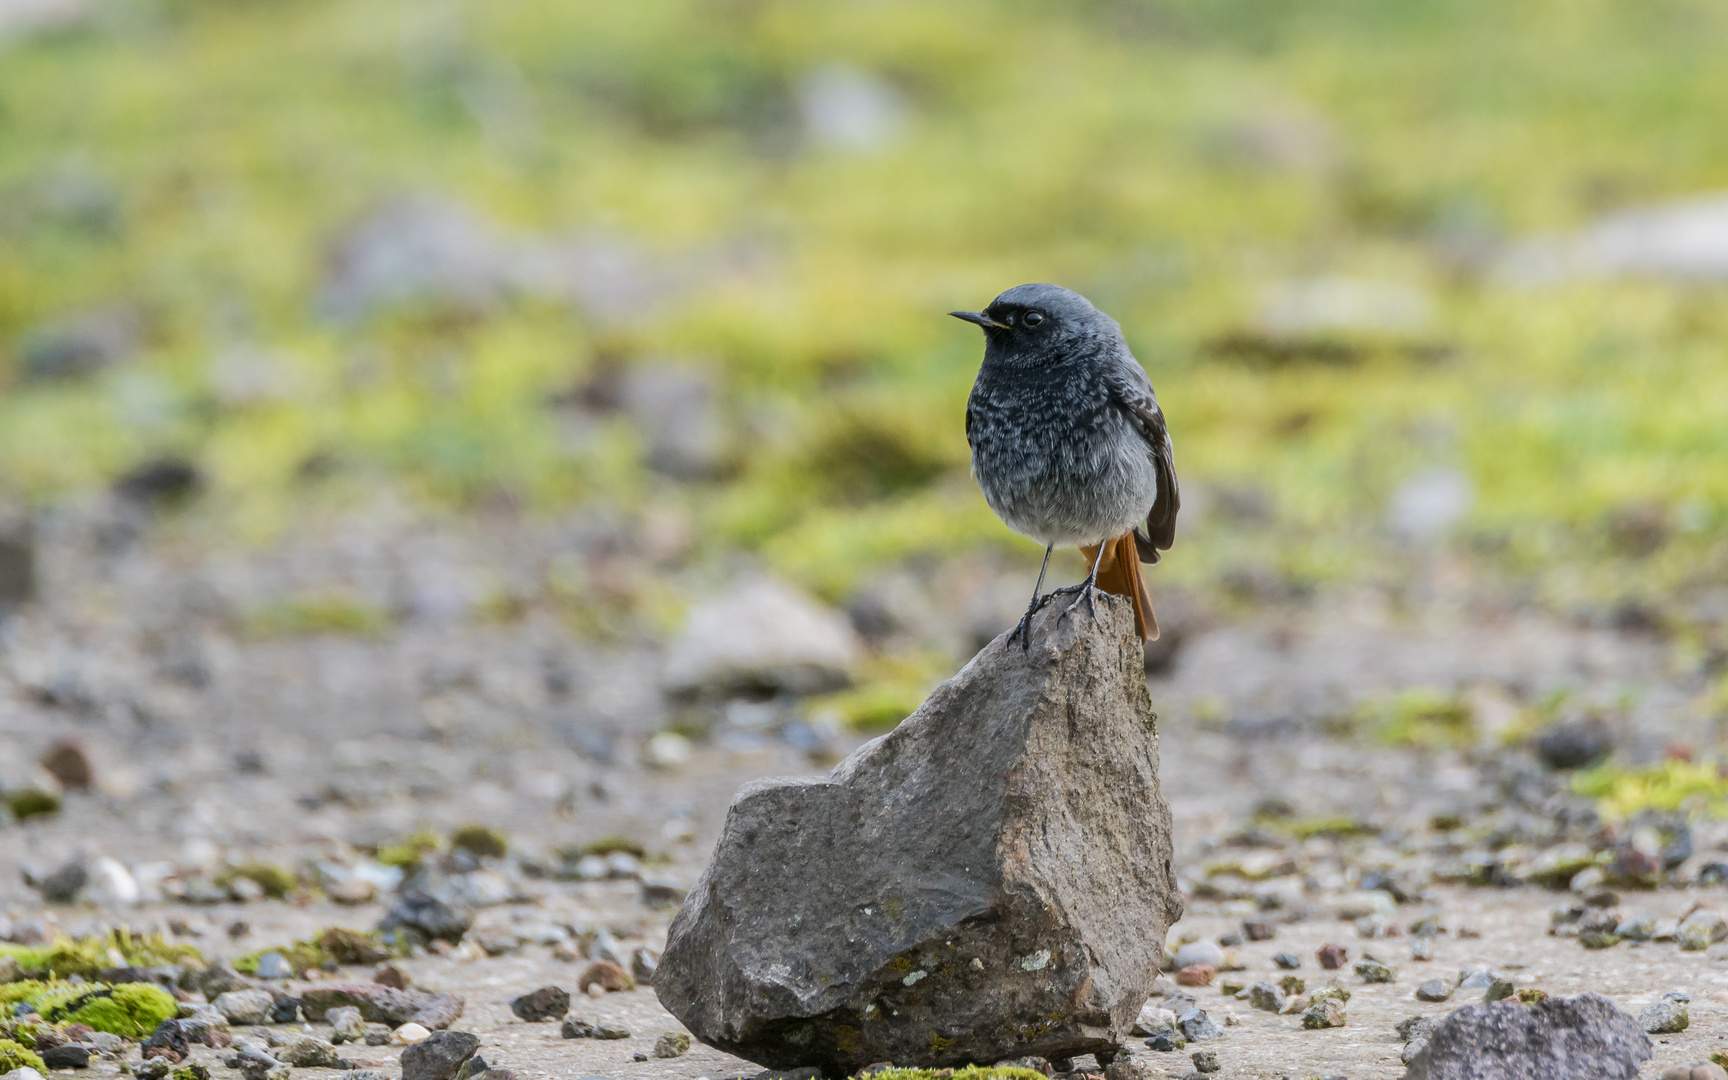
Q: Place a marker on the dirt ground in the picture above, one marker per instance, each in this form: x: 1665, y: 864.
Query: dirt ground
x: 214, y: 750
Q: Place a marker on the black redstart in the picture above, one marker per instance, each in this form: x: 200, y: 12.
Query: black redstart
x: 1069, y: 445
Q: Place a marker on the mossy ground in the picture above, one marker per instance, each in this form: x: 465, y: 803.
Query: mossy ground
x: 88, y: 957
x: 1172, y: 161
x: 13, y: 1056
x: 131, y: 1010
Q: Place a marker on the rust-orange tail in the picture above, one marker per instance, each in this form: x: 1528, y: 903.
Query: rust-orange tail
x: 1120, y: 573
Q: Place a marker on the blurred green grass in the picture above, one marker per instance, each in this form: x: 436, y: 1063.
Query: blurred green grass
x: 193, y: 160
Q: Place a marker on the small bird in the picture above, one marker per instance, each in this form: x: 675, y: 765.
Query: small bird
x: 1069, y: 445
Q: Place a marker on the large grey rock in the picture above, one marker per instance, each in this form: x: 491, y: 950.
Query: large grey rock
x: 1577, y: 1038
x: 990, y: 880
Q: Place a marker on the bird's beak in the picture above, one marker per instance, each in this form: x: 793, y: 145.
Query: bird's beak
x: 980, y: 318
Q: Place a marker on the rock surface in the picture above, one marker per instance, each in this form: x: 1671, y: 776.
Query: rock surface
x: 440, y: 1057
x: 1578, y: 1038
x: 761, y: 635
x: 992, y: 879
x: 382, y: 1004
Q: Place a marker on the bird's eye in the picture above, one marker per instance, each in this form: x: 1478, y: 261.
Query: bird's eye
x: 1031, y: 318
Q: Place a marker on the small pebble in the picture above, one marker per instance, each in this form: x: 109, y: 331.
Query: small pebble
x: 1332, y: 957
x: 1196, y: 975
x: 671, y: 1044
x: 1434, y: 990
x: 409, y: 1034
x: 1287, y: 961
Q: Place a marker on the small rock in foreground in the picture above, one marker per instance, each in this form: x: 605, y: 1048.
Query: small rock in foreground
x: 1332, y: 957
x: 1699, y: 1070
x: 1196, y: 975
x: 607, y: 976
x: 1581, y: 1038
x: 1434, y: 990
x: 671, y: 1044
x: 1324, y: 1013
x: 439, y: 1056
x: 546, y: 1003
x: 577, y: 1028
x: 1664, y: 1017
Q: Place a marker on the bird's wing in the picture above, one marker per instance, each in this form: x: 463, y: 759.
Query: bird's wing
x: 1132, y: 390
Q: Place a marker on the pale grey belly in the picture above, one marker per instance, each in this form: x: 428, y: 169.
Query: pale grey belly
x: 1069, y: 498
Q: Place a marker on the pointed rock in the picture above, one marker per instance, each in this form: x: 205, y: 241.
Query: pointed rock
x: 990, y: 880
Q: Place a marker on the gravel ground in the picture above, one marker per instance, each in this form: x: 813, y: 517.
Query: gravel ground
x: 213, y: 748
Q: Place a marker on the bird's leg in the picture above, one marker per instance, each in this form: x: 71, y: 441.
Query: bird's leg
x: 1086, y: 587
x: 1024, y: 630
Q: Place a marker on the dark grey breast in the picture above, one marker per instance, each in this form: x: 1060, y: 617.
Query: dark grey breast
x: 1068, y: 443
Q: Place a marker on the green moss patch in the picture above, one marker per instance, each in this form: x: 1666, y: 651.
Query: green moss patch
x: 130, y: 1010
x: 481, y: 841
x: 14, y: 1056
x: 333, y: 945
x: 89, y: 957
x: 1621, y: 792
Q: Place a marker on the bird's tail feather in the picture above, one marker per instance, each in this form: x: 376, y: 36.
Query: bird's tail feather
x: 1119, y: 572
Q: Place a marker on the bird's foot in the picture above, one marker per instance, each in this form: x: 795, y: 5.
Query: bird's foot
x: 1087, y: 590
x: 1023, y: 629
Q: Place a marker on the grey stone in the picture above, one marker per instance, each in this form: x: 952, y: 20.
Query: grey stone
x: 1434, y: 990
x: 428, y: 915
x: 245, y: 1006
x: 1577, y: 1038
x: 1682, y: 240
x: 1664, y: 1017
x: 1199, y: 952
x: 1324, y: 1013
x: 80, y: 344
x: 674, y: 409
x: 418, y: 250
x: 1205, y: 1061
x: 1196, y: 1024
x: 1287, y: 961
x: 671, y: 1044
x: 1005, y: 852
x: 1412, y: 1028
x: 256, y: 1064
x: 1499, y: 990
x: 761, y: 635
x: 440, y: 1056
x: 61, y: 886
x: 67, y: 1056
x: 577, y: 1028
x: 546, y: 1003
x: 346, y: 1024
x: 382, y: 1004
x: 308, y: 1052
x: 1573, y: 744
x: 1376, y: 972
x: 1266, y: 997
x: 1702, y: 929
x: 274, y: 966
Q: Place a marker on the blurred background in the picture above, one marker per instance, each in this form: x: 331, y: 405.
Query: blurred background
x: 545, y: 414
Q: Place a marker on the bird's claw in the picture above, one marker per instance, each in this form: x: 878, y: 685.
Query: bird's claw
x: 1087, y: 591
x: 1023, y: 629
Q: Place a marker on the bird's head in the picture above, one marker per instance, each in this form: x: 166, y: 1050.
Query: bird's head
x: 1038, y: 318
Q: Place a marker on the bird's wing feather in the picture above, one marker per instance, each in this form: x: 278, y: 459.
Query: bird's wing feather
x: 1132, y: 391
